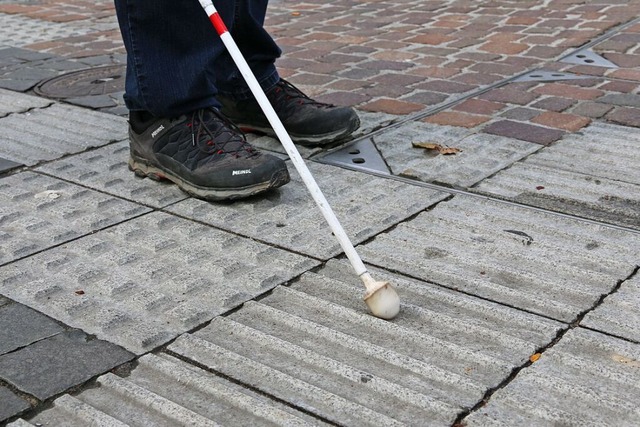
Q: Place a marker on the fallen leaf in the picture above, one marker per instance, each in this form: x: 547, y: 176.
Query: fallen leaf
x: 80, y: 292
x: 295, y: 13
x: 436, y: 147
x: 539, y: 187
x: 534, y: 357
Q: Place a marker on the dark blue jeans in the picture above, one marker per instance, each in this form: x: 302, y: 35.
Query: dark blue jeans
x: 176, y: 62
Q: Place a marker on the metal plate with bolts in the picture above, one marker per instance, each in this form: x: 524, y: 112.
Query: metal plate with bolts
x: 588, y: 57
x: 549, y: 76
x: 89, y: 82
x: 361, y: 155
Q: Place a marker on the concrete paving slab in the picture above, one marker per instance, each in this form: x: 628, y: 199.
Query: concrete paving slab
x: 482, y: 154
x: 364, y: 204
x: 165, y: 391
x: 55, y: 364
x: 10, y: 404
x: 21, y: 326
x: 618, y: 314
x: 12, y: 102
x: 37, y: 212
x: 312, y: 345
x: 105, y: 169
x: 145, y: 281
x: 594, y: 174
x: 586, y: 379
x: 50, y: 133
x: 537, y: 261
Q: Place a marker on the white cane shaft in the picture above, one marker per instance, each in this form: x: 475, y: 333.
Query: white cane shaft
x: 291, y: 150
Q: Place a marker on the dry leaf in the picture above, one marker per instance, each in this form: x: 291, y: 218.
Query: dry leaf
x: 79, y: 292
x: 436, y: 147
x: 534, y: 357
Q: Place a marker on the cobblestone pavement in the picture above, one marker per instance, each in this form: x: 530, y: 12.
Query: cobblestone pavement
x: 495, y: 181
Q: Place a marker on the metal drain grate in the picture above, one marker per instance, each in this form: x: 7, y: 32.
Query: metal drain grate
x: 89, y: 82
x: 361, y: 155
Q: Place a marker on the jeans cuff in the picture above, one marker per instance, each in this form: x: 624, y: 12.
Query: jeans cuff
x: 244, y: 93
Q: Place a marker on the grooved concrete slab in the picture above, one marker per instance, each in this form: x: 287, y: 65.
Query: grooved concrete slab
x: 364, y: 204
x: 50, y: 133
x: 619, y: 313
x: 106, y: 169
x: 21, y: 326
x: 595, y: 175
x: 482, y: 155
x: 145, y: 281
x: 586, y: 379
x: 12, y: 102
x: 529, y: 259
x: 314, y: 346
x: 38, y: 211
x: 52, y: 366
x: 165, y: 391
x: 10, y: 404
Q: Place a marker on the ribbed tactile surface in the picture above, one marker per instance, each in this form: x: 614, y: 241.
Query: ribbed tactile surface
x: 50, y: 133
x: 164, y: 391
x: 482, y: 155
x: 314, y: 346
x: 14, y: 102
x: 587, y: 379
x: 594, y: 175
x: 106, y: 169
x: 529, y: 259
x: 365, y: 205
x: 145, y: 281
x: 619, y: 314
x: 37, y: 212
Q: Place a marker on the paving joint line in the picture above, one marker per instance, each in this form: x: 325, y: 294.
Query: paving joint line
x: 459, y: 191
x: 251, y: 388
x: 459, y: 421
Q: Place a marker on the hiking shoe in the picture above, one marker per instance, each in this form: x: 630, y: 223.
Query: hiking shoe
x: 308, y: 122
x: 204, y: 154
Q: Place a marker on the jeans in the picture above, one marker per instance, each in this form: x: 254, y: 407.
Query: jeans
x: 176, y: 62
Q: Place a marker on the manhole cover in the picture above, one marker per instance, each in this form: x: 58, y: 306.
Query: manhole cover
x: 90, y: 82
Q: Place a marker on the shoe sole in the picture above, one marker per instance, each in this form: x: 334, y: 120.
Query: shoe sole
x: 307, y: 140
x: 144, y: 170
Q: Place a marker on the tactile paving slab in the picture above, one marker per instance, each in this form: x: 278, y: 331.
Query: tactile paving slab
x: 145, y: 281
x: 595, y: 175
x: 21, y: 31
x: 537, y: 261
x: 482, y: 154
x: 586, y: 379
x: 106, y: 169
x: 365, y: 205
x: 164, y: 391
x: 618, y: 314
x: 37, y: 212
x: 13, y: 102
x: 50, y: 133
x: 313, y: 345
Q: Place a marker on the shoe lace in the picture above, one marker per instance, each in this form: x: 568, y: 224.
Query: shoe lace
x: 214, y: 134
x: 285, y: 97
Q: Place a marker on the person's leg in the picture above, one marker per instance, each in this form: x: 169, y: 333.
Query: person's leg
x: 307, y: 121
x: 176, y: 132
